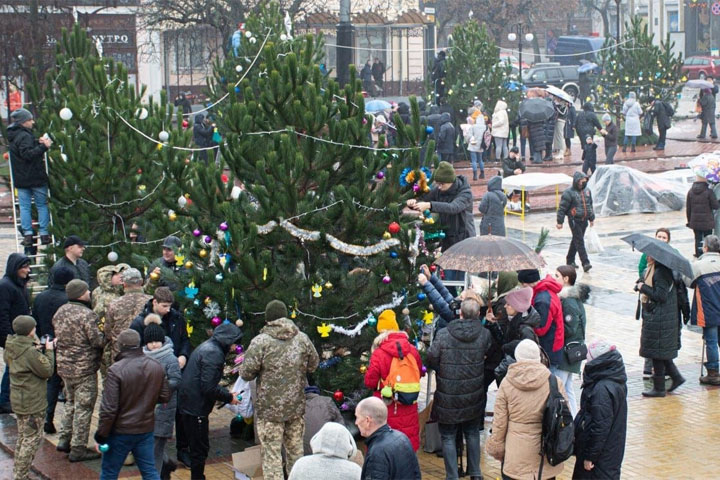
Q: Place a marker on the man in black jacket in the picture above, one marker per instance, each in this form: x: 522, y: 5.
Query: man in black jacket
x: 173, y: 323
x: 202, y: 136
x: 662, y: 113
x: 458, y: 356
x: 576, y: 203
x: 27, y: 157
x: 44, y: 307
x: 14, y: 301
x: 74, y: 247
x: 389, y: 452
x: 200, y: 389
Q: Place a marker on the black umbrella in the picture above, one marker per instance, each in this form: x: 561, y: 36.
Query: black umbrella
x: 662, y: 252
x: 536, y: 110
x: 489, y: 253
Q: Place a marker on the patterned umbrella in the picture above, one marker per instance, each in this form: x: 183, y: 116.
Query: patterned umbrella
x: 489, y: 253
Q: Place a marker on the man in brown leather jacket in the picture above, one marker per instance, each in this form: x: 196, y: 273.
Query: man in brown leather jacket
x: 134, y: 384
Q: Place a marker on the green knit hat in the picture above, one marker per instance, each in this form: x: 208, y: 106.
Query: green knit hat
x: 23, y: 325
x: 444, y: 173
x: 275, y: 309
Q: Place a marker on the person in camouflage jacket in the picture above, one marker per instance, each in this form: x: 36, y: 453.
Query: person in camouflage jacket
x: 120, y: 313
x: 79, y: 345
x: 109, y: 288
x: 280, y: 357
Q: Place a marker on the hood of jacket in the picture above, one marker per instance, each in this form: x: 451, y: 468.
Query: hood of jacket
x: 548, y: 284
x: 499, y: 106
x: 495, y: 184
x: 199, y: 118
x: 388, y: 340
x: 162, y: 352
x: 527, y: 375
x: 588, y: 107
x: 630, y: 102
x: 579, y: 291
x: 104, y: 276
x: 465, y: 330
x: 16, y: 129
x: 16, y: 345
x: 445, y: 118
x: 403, y: 108
x: 281, y: 329
x: 15, y: 261
x: 461, y: 183
x: 333, y: 440
x: 609, y: 366
x: 506, y: 281
x: 699, y: 187
x: 226, y: 334
x: 530, y: 318
x: 577, y: 176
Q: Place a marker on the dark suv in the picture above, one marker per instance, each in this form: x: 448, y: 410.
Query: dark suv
x: 564, y: 77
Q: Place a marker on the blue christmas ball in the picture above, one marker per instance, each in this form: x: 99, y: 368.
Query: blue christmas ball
x: 104, y: 448
x: 237, y: 89
x: 429, y: 130
x: 393, y: 254
x: 421, y: 296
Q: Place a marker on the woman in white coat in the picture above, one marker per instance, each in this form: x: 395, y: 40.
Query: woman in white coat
x: 474, y: 137
x: 500, y: 130
x: 632, y: 111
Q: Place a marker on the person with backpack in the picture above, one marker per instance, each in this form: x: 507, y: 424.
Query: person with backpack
x: 393, y: 355
x: 601, y: 423
x: 663, y: 112
x: 458, y: 356
x: 517, y: 434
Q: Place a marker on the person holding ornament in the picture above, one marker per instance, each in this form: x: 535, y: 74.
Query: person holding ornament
x: 164, y: 271
x: 74, y: 247
x: 27, y: 159
x: 386, y: 346
x: 280, y: 358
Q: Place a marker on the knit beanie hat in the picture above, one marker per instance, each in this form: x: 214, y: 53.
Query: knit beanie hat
x: 76, y: 289
x: 21, y: 115
x: 528, y: 276
x: 607, y: 118
x: 444, y: 173
x: 520, y: 299
x: 62, y: 276
x: 129, y: 339
x: 153, y: 333
x: 598, y: 347
x: 23, y: 325
x: 387, y: 321
x: 275, y: 309
x: 527, y: 350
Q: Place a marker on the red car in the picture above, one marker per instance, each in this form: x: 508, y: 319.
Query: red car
x: 702, y: 67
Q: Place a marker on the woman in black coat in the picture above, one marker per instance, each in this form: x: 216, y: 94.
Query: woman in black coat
x: 601, y: 423
x: 659, y: 337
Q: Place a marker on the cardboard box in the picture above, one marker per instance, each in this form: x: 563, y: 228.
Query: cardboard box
x: 248, y: 464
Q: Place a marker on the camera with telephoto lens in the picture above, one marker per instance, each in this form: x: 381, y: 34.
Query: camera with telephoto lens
x: 454, y: 306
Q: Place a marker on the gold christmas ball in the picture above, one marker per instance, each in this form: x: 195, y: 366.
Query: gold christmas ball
x: 328, y: 285
x: 363, y: 369
x: 386, y: 236
x: 188, y: 264
x: 202, y: 253
x: 187, y: 195
x: 238, y: 323
x: 154, y: 276
x: 172, y: 216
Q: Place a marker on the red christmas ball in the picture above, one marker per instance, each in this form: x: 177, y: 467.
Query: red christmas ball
x: 433, y: 268
x: 6, y: 156
x: 139, y: 171
x: 224, y: 178
x: 394, y: 228
x: 185, y: 124
x: 338, y: 396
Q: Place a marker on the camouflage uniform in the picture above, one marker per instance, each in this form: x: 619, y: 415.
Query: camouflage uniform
x: 30, y: 435
x: 120, y: 314
x: 105, y: 293
x: 79, y: 347
x: 280, y: 357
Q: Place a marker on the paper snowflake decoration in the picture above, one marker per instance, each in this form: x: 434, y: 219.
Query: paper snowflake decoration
x: 212, y: 310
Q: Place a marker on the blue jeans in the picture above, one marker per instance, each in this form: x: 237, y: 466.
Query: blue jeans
x: 632, y: 139
x: 25, y: 196
x: 142, y: 447
x: 523, y: 142
x: 501, y: 148
x: 471, y: 432
x: 711, y: 347
x: 5, y: 387
x: 476, y: 159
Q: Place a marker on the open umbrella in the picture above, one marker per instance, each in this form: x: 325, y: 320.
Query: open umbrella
x: 662, y: 252
x: 586, y: 67
x: 559, y: 93
x: 536, y: 110
x: 698, y: 83
x: 489, y: 253
x: 377, y: 106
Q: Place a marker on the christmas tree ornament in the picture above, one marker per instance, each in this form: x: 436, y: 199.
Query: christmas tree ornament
x: 324, y: 330
x: 248, y: 34
x: 433, y: 267
x: 182, y: 201
x: 141, y: 113
x: 317, y: 290
x: 264, y: 274
x: 197, y: 232
x: 328, y: 285
x: 293, y: 315
x: 393, y: 254
x: 219, y: 277
x: 344, y: 407
x: 185, y: 124
x: 253, y: 40
x: 154, y: 276
x: 386, y: 279
x: 428, y: 317
x: 238, y: 323
x: 207, y: 301
x: 64, y: 157
x: 224, y: 178
x: 338, y: 396
x: 66, y: 114
x: 163, y: 136
x: 429, y: 130
x: 238, y: 349
x: 207, y: 239
x: 283, y: 37
x: 427, y: 213
x: 386, y: 236
x: 141, y: 188
x: 371, y: 319
x: 172, y: 215
x: 224, y: 226
x: 380, y: 175
x: 429, y: 221
x: 215, y: 321
x: 203, y: 253
x: 406, y: 311
x: 237, y: 89
x: 394, y: 228
x: 238, y: 68
x: 189, y: 265
x: 112, y: 257
x: 191, y: 291
x: 235, y: 192
x: 421, y: 296
x: 423, y: 370
x: 416, y: 187
x: 363, y: 369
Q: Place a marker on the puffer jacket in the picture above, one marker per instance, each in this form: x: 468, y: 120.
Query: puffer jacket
x: 576, y: 202
x: 400, y: 417
x: 517, y: 421
x: 280, y: 357
x: 492, y: 206
x: 199, y: 388
x: 586, y: 122
x: 134, y: 384
x: 659, y: 334
x: 476, y: 133
x: 699, y: 207
x: 455, y: 207
x: 27, y: 156
x: 500, y: 121
x: 29, y: 371
x: 165, y: 412
x: 174, y: 325
x: 706, y: 299
x: 551, y: 331
x: 14, y: 298
x: 446, y: 136
x: 458, y: 356
x: 509, y: 165
x: 632, y: 111
x: 601, y: 423
x: 389, y: 457
x: 319, y: 410
x: 549, y: 126
x: 536, y: 131
x: 44, y: 307
x: 572, y: 299
x: 440, y: 299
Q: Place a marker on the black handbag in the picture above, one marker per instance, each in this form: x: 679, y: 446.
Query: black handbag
x: 576, y: 352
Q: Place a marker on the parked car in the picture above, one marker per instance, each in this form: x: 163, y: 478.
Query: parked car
x: 512, y: 59
x: 701, y: 67
x: 573, y: 48
x: 564, y: 77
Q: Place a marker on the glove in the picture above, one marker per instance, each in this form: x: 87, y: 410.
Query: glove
x: 100, y: 439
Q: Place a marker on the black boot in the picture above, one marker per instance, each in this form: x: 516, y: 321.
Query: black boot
x: 624, y: 148
x: 632, y: 149
x: 677, y: 379
x: 63, y: 445
x: 482, y: 174
x: 474, y: 174
x: 658, y: 389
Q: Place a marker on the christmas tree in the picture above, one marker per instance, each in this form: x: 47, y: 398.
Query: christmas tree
x: 306, y: 212
x: 638, y: 65
x: 112, y: 160
x: 474, y: 71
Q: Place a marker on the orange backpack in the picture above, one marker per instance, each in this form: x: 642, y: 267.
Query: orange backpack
x: 403, y: 378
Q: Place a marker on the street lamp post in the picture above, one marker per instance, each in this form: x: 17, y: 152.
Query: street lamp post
x: 516, y: 33
x: 617, y: 21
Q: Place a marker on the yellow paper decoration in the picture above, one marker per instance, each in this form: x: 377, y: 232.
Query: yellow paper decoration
x: 189, y: 329
x: 428, y: 317
x: 264, y: 274
x: 179, y: 260
x: 324, y: 330
x: 317, y: 290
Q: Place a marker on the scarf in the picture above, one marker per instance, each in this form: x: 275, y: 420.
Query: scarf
x: 648, y: 280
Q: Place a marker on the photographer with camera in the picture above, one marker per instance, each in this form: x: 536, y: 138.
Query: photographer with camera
x: 30, y: 364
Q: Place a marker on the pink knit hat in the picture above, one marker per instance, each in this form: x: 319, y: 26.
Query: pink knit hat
x: 598, y: 347
x: 519, y: 299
